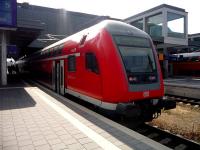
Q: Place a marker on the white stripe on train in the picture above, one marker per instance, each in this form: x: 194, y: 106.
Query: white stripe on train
x: 97, y: 102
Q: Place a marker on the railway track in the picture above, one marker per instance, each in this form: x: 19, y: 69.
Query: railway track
x: 186, y: 100
x: 166, y: 138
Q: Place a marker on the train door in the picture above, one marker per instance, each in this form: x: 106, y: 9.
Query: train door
x: 61, y: 74
x: 58, y: 76
x: 53, y: 76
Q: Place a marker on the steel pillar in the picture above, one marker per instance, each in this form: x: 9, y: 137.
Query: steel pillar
x: 165, y: 63
x: 3, y: 58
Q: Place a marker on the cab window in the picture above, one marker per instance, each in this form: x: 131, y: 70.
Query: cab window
x: 91, y: 63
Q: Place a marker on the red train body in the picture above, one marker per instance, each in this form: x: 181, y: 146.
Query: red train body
x: 186, y: 64
x: 111, y: 65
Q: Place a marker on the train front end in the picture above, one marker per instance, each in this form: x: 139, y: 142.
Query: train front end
x: 145, y: 88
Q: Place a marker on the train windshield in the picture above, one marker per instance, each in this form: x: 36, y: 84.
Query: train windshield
x: 137, y: 59
x: 137, y: 56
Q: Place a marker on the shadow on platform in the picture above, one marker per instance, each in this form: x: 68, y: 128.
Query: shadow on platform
x: 14, y: 95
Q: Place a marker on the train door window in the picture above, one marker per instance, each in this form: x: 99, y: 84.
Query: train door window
x: 71, y: 63
x: 91, y: 63
x: 61, y: 77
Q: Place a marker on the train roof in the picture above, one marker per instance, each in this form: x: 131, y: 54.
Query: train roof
x: 118, y: 27
x: 112, y: 26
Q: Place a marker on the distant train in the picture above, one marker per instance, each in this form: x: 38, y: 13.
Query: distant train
x: 193, y: 56
x: 112, y: 65
x: 186, y: 64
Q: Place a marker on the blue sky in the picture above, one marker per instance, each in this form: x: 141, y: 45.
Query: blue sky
x: 124, y: 8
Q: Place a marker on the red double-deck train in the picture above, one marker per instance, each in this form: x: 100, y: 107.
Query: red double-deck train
x: 112, y: 65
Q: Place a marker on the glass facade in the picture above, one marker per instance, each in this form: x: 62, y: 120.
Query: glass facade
x: 175, y: 25
x: 155, y: 25
x: 138, y: 24
x: 167, y: 26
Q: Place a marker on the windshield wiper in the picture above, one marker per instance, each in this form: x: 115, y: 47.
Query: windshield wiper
x: 150, y: 63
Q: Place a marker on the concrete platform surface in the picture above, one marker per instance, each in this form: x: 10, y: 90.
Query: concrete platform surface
x: 184, y: 82
x: 32, y: 119
x: 186, y: 87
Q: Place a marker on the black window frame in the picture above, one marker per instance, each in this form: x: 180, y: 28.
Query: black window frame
x: 91, y: 62
x: 71, y: 63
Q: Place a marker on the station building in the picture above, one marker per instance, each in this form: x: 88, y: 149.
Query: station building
x: 37, y: 27
x: 193, y: 42
x: 168, y: 27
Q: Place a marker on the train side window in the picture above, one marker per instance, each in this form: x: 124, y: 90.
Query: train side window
x: 91, y: 63
x: 60, y: 49
x: 54, y: 51
x: 71, y: 63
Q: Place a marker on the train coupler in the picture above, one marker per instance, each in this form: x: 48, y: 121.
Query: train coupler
x: 128, y: 110
x: 168, y: 104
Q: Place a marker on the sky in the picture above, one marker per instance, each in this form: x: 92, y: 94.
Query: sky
x: 124, y: 8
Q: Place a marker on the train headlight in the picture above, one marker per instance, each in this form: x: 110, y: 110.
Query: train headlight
x: 155, y: 101
x: 152, y: 78
x: 132, y: 79
x: 164, y: 97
